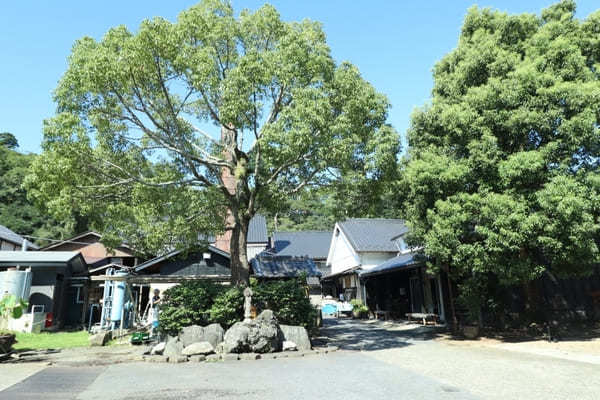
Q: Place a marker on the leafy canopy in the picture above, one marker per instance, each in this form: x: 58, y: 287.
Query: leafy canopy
x: 502, y: 174
x: 163, y: 129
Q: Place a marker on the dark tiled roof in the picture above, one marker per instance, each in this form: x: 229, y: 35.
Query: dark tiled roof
x: 373, y: 234
x: 398, y: 262
x: 257, y: 230
x: 268, y: 266
x: 9, y: 236
x: 314, y: 244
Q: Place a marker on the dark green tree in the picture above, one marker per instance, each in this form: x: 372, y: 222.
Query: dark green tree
x: 502, y: 176
x: 8, y: 140
x: 18, y: 213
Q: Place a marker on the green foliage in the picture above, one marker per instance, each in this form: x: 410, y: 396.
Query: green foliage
x: 12, y: 307
x: 17, y: 212
x: 203, y: 303
x: 501, y: 176
x: 134, y: 141
x: 288, y: 299
x: 358, y: 306
x: 187, y: 304
x: 8, y: 140
x: 228, y: 307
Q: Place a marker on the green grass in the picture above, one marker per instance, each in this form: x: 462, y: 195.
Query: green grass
x: 47, y: 340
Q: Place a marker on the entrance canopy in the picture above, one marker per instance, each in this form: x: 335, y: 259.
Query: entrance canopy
x: 403, y: 261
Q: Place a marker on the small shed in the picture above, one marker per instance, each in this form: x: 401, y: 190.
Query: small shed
x: 52, y: 277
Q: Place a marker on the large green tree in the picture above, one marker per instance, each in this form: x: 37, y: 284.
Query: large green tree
x: 502, y: 176
x: 169, y: 126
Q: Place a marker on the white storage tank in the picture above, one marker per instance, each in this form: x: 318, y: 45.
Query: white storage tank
x: 16, y: 282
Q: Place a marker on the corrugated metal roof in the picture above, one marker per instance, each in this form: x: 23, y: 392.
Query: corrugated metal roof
x: 37, y: 256
x: 314, y: 244
x: 267, y: 266
x: 373, y: 234
x: 257, y: 230
x: 10, y: 236
x: 398, y: 262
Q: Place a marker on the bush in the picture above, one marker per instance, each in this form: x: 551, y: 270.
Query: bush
x: 287, y: 299
x: 358, y: 306
x: 187, y: 304
x: 203, y: 303
x: 228, y: 307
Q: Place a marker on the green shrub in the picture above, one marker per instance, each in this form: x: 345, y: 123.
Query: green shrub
x: 187, y: 304
x: 228, y: 307
x: 287, y: 299
x: 203, y: 303
x: 358, y: 306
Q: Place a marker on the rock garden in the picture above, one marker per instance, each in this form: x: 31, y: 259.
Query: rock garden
x: 200, y: 321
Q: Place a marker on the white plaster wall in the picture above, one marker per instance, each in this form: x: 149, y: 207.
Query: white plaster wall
x: 342, y: 255
x: 253, y: 249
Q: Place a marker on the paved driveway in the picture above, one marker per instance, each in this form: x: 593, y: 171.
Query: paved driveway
x: 379, y: 361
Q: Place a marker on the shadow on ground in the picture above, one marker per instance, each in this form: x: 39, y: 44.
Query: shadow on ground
x: 369, y: 335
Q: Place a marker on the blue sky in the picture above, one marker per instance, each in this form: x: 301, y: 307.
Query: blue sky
x: 394, y: 43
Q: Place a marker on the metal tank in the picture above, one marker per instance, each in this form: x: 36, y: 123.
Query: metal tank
x: 118, y: 299
x: 15, y: 282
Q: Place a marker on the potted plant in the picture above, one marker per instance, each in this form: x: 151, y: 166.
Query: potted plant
x: 359, y: 310
x: 10, y: 307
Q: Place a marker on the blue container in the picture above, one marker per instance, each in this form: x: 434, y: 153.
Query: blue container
x: 329, y: 309
x: 118, y: 299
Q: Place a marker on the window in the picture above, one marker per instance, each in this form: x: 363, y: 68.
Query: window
x: 79, y: 294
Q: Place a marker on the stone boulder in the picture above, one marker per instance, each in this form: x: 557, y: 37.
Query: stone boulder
x: 194, y: 349
x: 191, y: 334
x: 260, y: 335
x: 100, y: 339
x: 212, y: 334
x: 173, y: 348
x: 288, y: 345
x: 158, y: 349
x: 296, y: 334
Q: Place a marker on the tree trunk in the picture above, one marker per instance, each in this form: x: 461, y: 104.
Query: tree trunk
x: 240, y: 269
x: 451, y: 297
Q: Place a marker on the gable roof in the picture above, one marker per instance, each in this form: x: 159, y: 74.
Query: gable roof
x: 314, y: 244
x: 172, y: 254
x: 257, y: 230
x: 270, y: 266
x: 71, y: 240
x: 10, y: 236
x: 373, y: 234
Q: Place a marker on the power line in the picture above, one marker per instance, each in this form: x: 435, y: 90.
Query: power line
x: 55, y: 240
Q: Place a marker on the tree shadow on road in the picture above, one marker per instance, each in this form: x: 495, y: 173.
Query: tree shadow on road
x: 361, y: 335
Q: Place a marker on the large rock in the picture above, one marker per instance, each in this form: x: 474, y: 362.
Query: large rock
x: 158, y: 349
x: 173, y: 348
x: 100, y: 339
x: 203, y: 348
x: 212, y: 334
x: 288, y: 346
x: 260, y: 335
x: 296, y: 334
x: 191, y: 334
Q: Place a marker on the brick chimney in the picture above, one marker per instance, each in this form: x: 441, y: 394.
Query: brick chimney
x: 223, y: 241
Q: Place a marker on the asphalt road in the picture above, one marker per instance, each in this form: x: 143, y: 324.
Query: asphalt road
x: 377, y: 363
